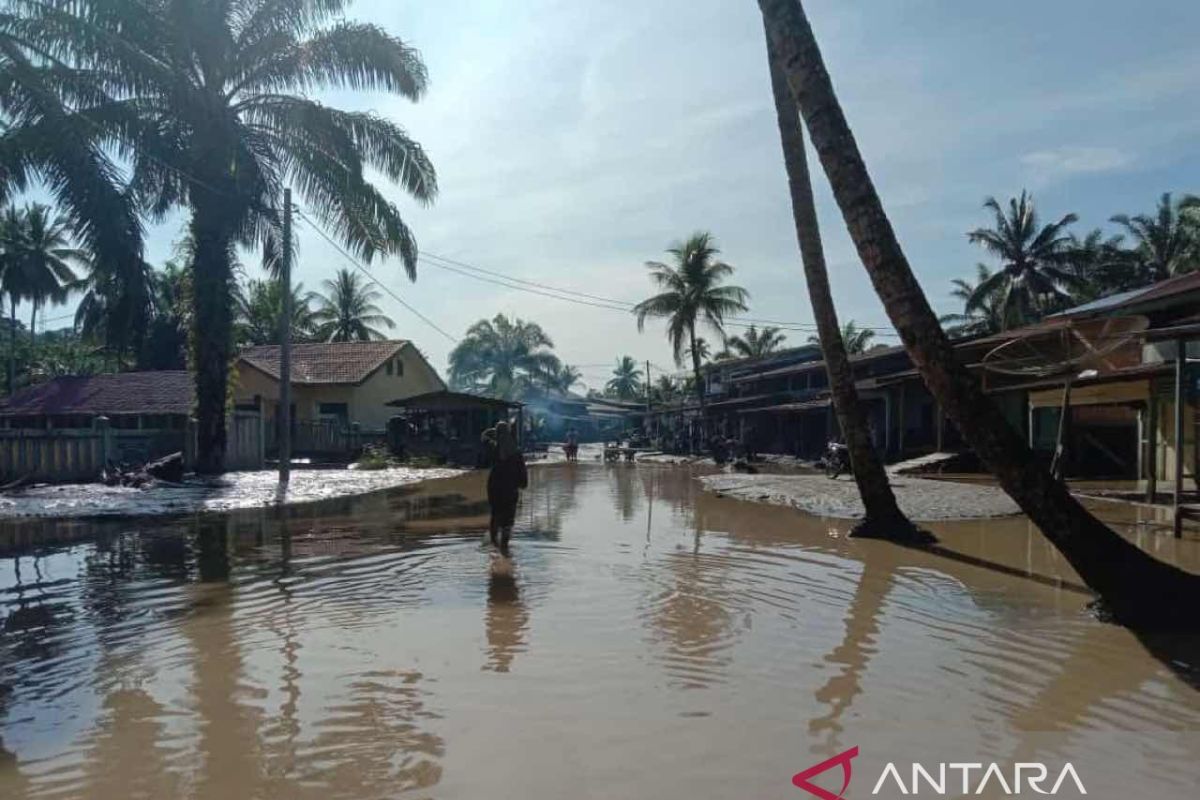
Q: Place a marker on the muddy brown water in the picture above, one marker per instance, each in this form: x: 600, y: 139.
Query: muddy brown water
x: 645, y: 640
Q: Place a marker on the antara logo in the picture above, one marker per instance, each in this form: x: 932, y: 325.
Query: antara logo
x: 953, y: 778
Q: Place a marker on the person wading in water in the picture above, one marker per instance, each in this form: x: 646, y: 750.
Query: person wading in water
x: 505, y: 482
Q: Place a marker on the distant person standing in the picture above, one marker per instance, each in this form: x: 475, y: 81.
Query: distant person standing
x: 572, y: 448
x: 505, y: 482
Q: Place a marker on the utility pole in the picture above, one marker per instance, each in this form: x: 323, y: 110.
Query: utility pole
x: 646, y: 427
x: 285, y: 344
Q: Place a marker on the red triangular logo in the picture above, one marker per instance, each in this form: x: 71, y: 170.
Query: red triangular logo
x: 801, y: 779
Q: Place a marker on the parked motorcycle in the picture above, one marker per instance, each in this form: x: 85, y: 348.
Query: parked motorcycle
x: 837, y: 459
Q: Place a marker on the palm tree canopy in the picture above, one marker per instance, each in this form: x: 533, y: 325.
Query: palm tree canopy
x: 346, y: 310
x: 37, y: 254
x: 502, y: 357
x: 562, y: 379
x: 1166, y: 243
x: 260, y: 309
x: 216, y: 96
x: 974, y: 320
x: 691, y: 293
x: 1033, y: 277
x: 856, y: 339
x: 755, y: 343
x: 626, y: 381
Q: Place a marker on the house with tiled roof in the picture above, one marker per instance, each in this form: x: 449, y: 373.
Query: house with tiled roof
x: 132, y: 400
x: 339, y: 384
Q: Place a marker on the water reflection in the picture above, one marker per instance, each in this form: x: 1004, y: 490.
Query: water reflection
x: 334, y: 650
x: 506, y: 616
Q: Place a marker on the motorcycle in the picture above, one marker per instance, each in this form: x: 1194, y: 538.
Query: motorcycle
x: 837, y: 459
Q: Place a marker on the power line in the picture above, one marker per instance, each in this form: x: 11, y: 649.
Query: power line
x: 354, y: 263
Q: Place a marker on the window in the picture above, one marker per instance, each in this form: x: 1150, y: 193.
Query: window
x: 339, y: 411
x: 390, y: 367
x: 399, y: 367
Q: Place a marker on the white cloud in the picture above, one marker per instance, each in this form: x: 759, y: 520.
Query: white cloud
x: 1077, y: 160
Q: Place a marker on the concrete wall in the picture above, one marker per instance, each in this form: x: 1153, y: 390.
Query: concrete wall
x: 366, y: 403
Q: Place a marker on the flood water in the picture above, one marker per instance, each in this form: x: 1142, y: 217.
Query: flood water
x: 646, y: 640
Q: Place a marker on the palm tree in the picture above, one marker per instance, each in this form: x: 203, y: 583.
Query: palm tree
x: 1134, y: 586
x: 46, y: 259
x: 856, y: 340
x: 1167, y: 243
x: 211, y: 104
x: 167, y: 342
x: 502, y: 357
x: 50, y: 139
x: 978, y: 320
x: 626, y: 382
x: 260, y: 310
x: 883, y: 516
x: 691, y: 294
x: 562, y: 378
x: 1099, y: 266
x: 115, y: 310
x: 346, y: 312
x: 755, y: 343
x: 36, y: 254
x: 666, y: 389
x: 1032, y: 279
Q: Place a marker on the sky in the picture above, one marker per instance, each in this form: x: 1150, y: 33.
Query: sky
x: 576, y: 140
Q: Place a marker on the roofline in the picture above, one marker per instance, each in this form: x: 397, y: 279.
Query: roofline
x: 400, y: 345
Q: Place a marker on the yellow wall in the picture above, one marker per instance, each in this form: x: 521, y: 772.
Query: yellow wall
x: 366, y: 401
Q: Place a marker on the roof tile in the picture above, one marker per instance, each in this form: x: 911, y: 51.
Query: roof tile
x: 325, y: 362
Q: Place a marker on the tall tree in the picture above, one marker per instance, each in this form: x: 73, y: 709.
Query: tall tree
x: 562, y: 378
x: 626, y: 380
x: 260, y: 312
x: 211, y: 103
x: 14, y: 284
x: 46, y: 258
x: 1135, y: 587
x: 502, y: 357
x: 346, y: 310
x: 856, y: 340
x: 1033, y: 279
x: 975, y: 320
x: 167, y: 342
x: 1166, y: 243
x: 755, y: 343
x: 51, y: 138
x: 883, y: 517
x: 691, y: 294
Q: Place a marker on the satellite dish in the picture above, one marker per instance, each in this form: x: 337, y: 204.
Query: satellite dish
x: 1070, y: 349
x: 1065, y: 348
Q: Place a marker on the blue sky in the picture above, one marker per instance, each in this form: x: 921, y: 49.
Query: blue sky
x: 574, y: 140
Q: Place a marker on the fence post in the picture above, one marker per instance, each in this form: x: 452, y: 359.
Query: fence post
x: 261, y: 454
x: 355, y: 438
x: 108, y: 448
x: 189, y: 444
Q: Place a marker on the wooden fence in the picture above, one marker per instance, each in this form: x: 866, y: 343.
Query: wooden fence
x: 74, y: 455
x: 330, y: 439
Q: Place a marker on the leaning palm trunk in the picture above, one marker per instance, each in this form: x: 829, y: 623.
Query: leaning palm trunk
x: 1135, y: 587
x: 12, y: 344
x: 883, y: 516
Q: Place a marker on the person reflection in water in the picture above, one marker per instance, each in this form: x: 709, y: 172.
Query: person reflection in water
x: 506, y: 617
x: 505, y: 482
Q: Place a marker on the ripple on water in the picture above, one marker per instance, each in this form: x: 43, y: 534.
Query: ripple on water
x: 378, y: 647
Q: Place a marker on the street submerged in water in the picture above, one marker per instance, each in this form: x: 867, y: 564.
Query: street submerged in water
x: 647, y: 639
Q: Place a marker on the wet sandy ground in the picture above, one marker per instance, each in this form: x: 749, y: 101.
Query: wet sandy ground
x: 646, y: 640
x: 921, y: 499
x: 233, y: 490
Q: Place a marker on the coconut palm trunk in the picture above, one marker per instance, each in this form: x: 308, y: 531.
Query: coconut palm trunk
x: 699, y: 378
x: 883, y: 517
x: 1136, y: 588
x: 212, y: 321
x: 12, y: 344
